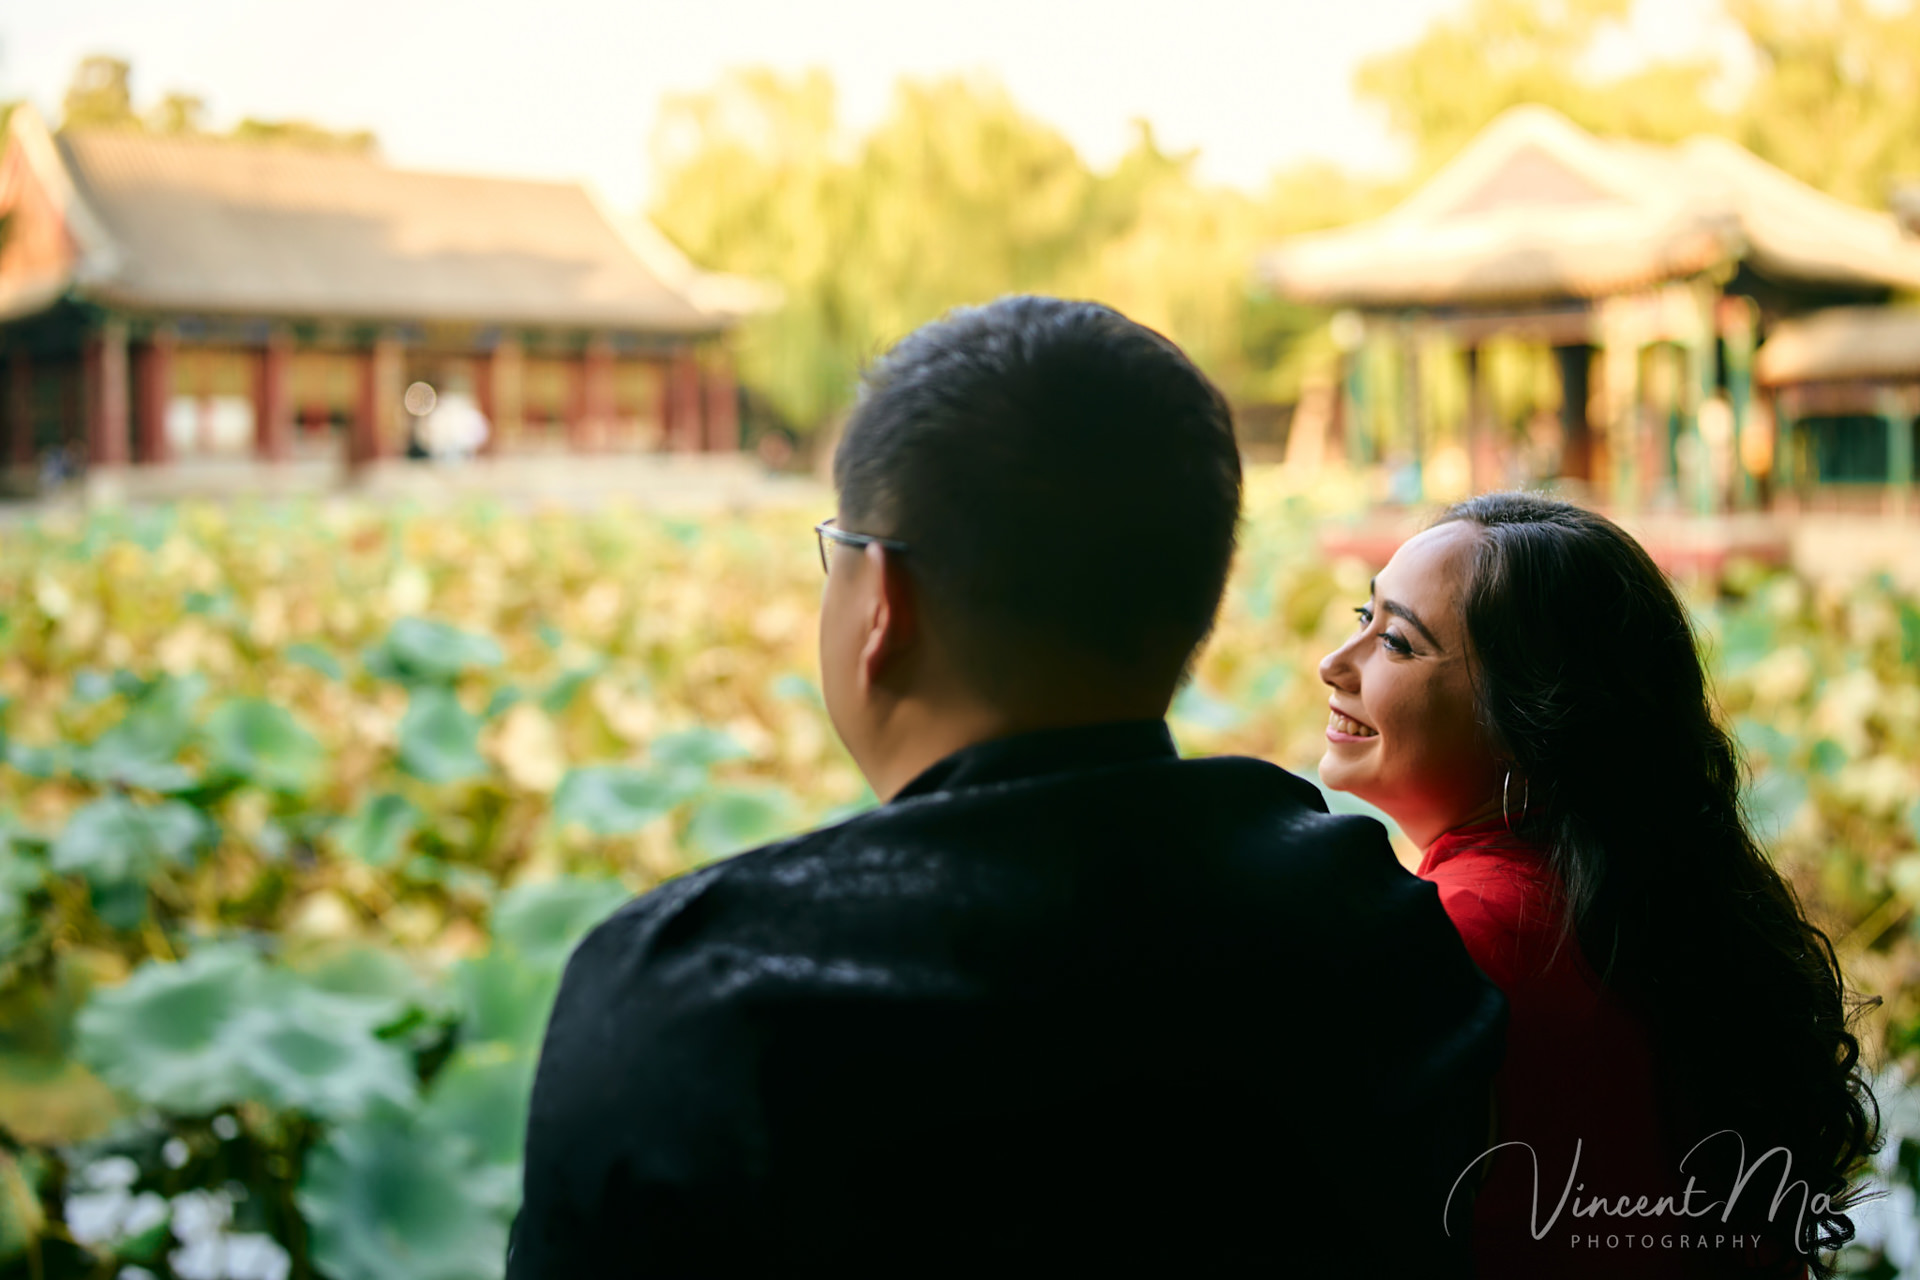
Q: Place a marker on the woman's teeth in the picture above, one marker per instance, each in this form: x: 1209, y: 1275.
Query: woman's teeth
x: 1347, y: 724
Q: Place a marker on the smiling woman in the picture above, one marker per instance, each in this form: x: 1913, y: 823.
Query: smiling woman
x: 1403, y: 734
x: 1524, y: 696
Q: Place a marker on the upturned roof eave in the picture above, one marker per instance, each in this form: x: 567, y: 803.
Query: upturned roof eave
x: 117, y: 297
x: 1842, y: 345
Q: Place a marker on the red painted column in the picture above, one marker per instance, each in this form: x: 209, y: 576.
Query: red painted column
x: 593, y: 422
x: 20, y: 450
x: 486, y: 397
x: 371, y: 435
x: 104, y: 371
x: 273, y: 401
x: 723, y: 405
x: 503, y: 394
x: 683, y: 402
x: 1483, y: 459
x: 153, y: 390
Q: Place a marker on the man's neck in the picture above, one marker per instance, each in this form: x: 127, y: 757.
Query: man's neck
x: 920, y: 737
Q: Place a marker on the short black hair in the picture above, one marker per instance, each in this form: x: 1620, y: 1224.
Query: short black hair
x: 1067, y: 483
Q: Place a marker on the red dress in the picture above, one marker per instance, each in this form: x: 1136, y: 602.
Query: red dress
x: 1579, y: 1071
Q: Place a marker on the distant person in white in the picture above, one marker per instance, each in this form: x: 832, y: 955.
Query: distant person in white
x: 455, y: 430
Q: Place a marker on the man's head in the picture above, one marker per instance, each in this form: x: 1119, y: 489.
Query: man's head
x: 1066, y: 488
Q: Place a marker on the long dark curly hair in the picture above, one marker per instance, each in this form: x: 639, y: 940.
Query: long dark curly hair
x: 1589, y: 679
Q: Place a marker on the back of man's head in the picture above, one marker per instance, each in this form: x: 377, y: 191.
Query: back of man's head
x: 1068, y: 486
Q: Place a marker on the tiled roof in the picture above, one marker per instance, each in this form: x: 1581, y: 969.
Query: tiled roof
x: 1537, y: 208
x: 1843, y: 344
x: 219, y: 226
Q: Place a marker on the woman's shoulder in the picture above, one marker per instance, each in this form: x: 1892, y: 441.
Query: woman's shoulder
x: 1502, y: 895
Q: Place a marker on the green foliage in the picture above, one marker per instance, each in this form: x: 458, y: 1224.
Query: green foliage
x: 423, y: 651
x: 613, y: 800
x: 1836, y: 101
x: 542, y: 922
x: 263, y: 744
x: 392, y: 1199
x: 1829, y: 97
x: 116, y: 840
x: 956, y: 197
x: 100, y: 96
x: 167, y: 1036
x: 439, y: 738
x: 729, y: 819
x: 302, y: 924
x: 1466, y: 69
x: 379, y: 831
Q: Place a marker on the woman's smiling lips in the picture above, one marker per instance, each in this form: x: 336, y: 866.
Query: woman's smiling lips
x: 1342, y: 727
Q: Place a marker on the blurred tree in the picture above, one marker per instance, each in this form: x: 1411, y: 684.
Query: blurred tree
x: 1443, y: 88
x: 957, y: 197
x: 1837, y: 98
x: 100, y: 96
x: 178, y: 113
x: 302, y: 133
x: 1834, y: 98
x: 755, y: 177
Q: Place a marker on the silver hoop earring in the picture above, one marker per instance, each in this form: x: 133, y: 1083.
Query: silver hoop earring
x: 1526, y: 797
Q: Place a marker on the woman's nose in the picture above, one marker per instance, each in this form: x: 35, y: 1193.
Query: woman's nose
x: 1336, y: 670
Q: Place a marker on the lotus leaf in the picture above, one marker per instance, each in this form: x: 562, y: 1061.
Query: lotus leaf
x: 797, y: 688
x: 382, y: 983
x: 504, y: 999
x: 115, y: 840
x: 439, y: 738
x: 481, y: 1096
x: 314, y: 1052
x: 1205, y: 711
x: 613, y: 800
x: 1828, y: 756
x: 21, y: 1217
x: 90, y: 686
x: 1773, y: 801
x: 313, y: 656
x: 698, y: 747
x: 543, y: 922
x: 21, y: 875
x: 389, y: 1199
x: 379, y: 832
x: 427, y: 651
x: 140, y: 750
x: 264, y: 744
x: 566, y: 686
x: 728, y: 820
x: 1743, y: 638
x: 163, y: 1035
x: 210, y: 604
x: 37, y: 762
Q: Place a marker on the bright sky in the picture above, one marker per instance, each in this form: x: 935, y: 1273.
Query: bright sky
x: 569, y: 88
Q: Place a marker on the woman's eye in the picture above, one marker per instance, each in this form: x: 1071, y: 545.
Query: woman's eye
x: 1365, y: 613
x: 1396, y: 643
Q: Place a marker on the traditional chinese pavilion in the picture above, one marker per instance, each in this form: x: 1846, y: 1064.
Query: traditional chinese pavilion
x: 168, y: 299
x: 1615, y: 289
x: 1848, y: 380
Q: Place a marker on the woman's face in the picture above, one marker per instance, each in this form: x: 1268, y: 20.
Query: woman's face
x: 1403, y: 734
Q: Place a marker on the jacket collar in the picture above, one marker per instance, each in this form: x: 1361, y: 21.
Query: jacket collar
x: 1045, y: 751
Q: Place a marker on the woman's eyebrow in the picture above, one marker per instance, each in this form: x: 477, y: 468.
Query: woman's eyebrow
x: 1399, y: 610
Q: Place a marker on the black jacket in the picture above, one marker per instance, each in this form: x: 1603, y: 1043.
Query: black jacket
x: 1067, y: 1000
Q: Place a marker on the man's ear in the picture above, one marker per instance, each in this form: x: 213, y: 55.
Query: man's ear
x: 893, y: 627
